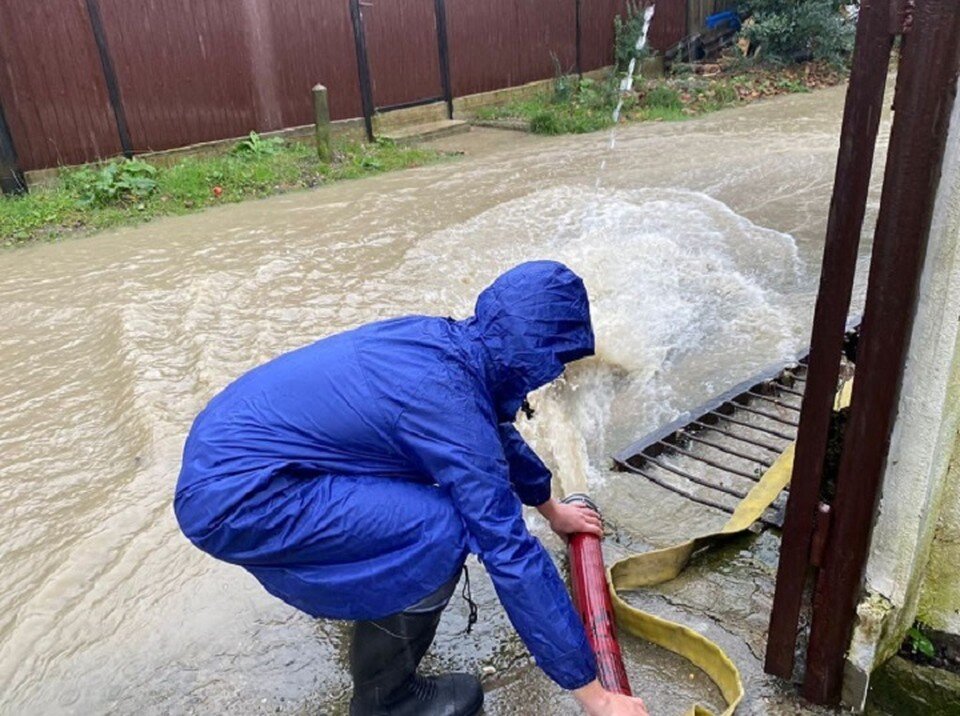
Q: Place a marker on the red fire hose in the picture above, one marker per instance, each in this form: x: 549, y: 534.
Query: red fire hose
x: 592, y: 599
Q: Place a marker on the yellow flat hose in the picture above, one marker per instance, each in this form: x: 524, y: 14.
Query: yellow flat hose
x: 662, y: 565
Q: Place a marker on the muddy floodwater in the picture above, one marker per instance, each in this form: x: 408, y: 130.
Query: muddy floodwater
x: 699, y: 242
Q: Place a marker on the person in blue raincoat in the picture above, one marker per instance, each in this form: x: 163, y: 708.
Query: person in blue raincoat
x: 353, y: 476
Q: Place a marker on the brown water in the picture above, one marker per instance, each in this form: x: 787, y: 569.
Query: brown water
x: 699, y: 242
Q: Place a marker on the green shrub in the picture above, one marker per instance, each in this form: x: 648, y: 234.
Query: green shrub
x: 117, y: 182
x: 546, y: 122
x: 602, y: 95
x: 798, y: 30
x: 626, y: 34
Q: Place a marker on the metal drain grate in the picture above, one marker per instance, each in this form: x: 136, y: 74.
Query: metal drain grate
x: 716, y: 453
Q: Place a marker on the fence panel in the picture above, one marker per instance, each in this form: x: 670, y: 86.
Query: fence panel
x: 314, y: 43
x: 198, y: 70
x: 668, y: 27
x: 596, y: 31
x: 212, y: 70
x: 52, y: 85
x: 504, y: 43
x: 183, y: 70
x: 402, y: 48
x: 669, y: 24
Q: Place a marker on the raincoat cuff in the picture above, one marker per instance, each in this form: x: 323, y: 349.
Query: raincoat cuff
x: 573, y: 669
x: 533, y: 495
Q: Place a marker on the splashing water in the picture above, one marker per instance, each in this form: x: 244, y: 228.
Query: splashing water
x: 678, y: 284
x: 626, y: 85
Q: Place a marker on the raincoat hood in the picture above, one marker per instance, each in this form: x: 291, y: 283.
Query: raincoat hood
x: 533, y: 320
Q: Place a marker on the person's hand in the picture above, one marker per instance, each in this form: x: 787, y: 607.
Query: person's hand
x: 597, y: 701
x: 570, y: 518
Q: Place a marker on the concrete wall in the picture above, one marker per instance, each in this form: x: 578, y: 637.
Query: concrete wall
x: 917, y: 490
x: 940, y: 594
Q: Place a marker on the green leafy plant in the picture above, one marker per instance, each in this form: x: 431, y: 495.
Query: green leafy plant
x: 256, y: 146
x: 786, y: 31
x: 117, y: 182
x: 627, y: 32
x: 919, y: 642
x: 564, y: 84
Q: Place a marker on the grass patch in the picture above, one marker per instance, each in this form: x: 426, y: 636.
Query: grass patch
x: 573, y: 107
x: 548, y: 117
x: 659, y: 114
x: 663, y: 97
x: 576, y: 106
x: 128, y: 192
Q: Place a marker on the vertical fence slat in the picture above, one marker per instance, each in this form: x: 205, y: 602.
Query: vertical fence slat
x: 504, y: 43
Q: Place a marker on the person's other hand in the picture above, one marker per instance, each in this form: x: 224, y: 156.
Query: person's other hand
x: 570, y: 518
x: 597, y: 701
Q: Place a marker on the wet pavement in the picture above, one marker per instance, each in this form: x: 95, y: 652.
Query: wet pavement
x: 699, y: 242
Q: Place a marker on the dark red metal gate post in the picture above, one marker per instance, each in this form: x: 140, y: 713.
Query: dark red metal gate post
x: 443, y: 48
x: 858, y: 137
x: 110, y: 76
x: 11, y: 177
x: 577, y: 31
x: 363, y: 67
x: 926, y: 87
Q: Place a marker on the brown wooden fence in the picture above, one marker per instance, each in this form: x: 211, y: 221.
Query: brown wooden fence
x: 81, y: 80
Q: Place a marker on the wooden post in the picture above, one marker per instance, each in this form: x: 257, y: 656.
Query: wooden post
x: 858, y: 137
x: 321, y: 114
x: 926, y: 88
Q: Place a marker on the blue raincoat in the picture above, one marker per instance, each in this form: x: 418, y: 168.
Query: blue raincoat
x: 352, y: 477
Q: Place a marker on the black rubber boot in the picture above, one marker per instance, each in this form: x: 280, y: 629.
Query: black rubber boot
x: 384, y: 657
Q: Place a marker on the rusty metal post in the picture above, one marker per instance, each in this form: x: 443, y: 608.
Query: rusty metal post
x: 578, y: 37
x: 363, y: 67
x: 861, y: 121
x: 926, y: 87
x: 440, y: 10
x: 110, y: 76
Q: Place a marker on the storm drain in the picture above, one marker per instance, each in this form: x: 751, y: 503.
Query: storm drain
x: 713, y: 455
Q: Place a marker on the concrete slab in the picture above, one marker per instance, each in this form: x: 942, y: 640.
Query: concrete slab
x: 427, y: 131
